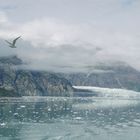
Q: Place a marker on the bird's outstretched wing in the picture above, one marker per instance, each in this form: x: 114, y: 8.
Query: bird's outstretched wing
x: 8, y: 42
x: 14, y: 41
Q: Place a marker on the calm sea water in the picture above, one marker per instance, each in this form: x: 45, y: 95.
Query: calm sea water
x: 92, y: 118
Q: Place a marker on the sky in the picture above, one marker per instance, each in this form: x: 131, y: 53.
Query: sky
x: 71, y: 34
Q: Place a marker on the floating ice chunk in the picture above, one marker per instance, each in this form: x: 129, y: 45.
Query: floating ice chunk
x: 3, y: 124
x: 49, y: 109
x: 15, y: 114
x: 22, y: 106
x: 78, y: 118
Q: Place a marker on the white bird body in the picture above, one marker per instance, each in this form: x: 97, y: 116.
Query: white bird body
x: 13, y: 44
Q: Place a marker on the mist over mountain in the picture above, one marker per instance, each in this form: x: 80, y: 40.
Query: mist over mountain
x: 51, y: 40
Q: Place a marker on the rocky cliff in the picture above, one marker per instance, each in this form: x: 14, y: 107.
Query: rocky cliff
x: 19, y: 82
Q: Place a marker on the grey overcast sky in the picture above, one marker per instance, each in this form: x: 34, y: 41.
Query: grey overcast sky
x: 59, y: 33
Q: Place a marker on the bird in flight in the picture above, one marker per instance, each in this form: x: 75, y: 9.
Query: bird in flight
x: 13, y: 44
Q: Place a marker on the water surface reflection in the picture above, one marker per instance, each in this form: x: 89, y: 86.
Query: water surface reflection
x: 37, y: 118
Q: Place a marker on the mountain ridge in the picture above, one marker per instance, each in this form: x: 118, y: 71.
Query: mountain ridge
x: 23, y: 82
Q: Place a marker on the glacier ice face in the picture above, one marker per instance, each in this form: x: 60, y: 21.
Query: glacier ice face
x: 108, y: 92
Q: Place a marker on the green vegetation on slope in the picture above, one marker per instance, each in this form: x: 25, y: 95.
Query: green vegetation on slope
x: 7, y: 93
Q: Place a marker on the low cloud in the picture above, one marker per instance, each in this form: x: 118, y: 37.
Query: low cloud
x: 54, y: 45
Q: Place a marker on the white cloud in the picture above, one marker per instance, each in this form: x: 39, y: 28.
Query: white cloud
x: 53, y: 43
x: 49, y: 32
x: 3, y: 18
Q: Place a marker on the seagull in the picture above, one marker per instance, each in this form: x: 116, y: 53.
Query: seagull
x: 12, y: 45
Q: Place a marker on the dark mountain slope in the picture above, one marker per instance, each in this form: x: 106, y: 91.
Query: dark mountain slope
x: 30, y: 83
